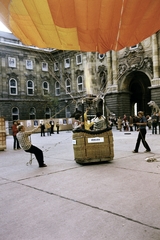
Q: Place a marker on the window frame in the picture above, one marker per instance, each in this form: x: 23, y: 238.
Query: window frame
x: 134, y: 47
x: 100, y: 56
x: 57, y: 88
x: 47, y: 113
x: 17, y: 114
x: 45, y: 66
x: 80, y: 84
x: 32, y: 114
x: 45, y: 90
x: 68, y: 86
x: 30, y: 67
x: 12, y: 62
x: 11, y: 87
x: 77, y: 61
x: 67, y: 65
x: 30, y: 88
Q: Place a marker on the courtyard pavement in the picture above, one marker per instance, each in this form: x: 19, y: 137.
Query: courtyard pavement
x: 119, y: 200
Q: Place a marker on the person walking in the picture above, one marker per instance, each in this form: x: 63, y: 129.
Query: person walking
x: 23, y: 138
x: 14, y: 132
x: 142, y: 133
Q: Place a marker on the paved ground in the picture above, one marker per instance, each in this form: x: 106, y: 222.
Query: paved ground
x: 119, y: 200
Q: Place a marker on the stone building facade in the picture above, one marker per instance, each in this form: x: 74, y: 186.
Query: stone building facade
x: 43, y: 83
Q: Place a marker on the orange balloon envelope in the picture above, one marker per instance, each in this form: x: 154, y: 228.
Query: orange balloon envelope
x: 84, y: 25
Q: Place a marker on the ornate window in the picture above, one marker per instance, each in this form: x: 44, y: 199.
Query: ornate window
x: 57, y: 88
x: 32, y: 113
x: 79, y: 83
x: 133, y: 47
x: 30, y: 87
x: 12, y: 62
x: 44, y: 66
x: 12, y: 87
x: 29, y: 64
x: 15, y: 113
x: 68, y: 86
x: 45, y: 88
x: 101, y: 56
x: 79, y: 59
x: 66, y: 63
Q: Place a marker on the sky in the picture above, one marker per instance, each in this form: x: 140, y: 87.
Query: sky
x: 3, y: 27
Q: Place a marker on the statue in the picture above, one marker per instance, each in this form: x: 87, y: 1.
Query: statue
x: 154, y: 106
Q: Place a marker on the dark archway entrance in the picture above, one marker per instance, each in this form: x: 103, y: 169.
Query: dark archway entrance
x: 140, y: 93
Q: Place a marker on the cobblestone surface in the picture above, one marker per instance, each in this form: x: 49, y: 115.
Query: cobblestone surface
x: 119, y: 200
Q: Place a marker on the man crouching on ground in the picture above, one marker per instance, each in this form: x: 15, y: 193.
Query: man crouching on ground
x: 23, y: 138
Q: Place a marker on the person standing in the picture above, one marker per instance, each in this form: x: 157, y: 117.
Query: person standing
x: 23, y: 137
x: 125, y: 123
x: 119, y: 124
x: 99, y: 122
x: 48, y: 127
x: 57, y: 126
x: 14, y: 132
x: 154, y: 123
x: 52, y: 126
x: 131, y: 123
x: 42, y: 126
x: 142, y: 133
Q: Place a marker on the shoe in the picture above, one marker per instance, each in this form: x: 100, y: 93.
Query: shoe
x: 147, y: 151
x: 44, y: 165
x: 134, y: 151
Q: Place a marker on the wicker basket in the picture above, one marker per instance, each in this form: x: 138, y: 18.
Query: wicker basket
x: 2, y: 134
x: 93, y: 146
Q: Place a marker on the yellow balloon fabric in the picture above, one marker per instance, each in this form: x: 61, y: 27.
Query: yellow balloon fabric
x: 84, y: 25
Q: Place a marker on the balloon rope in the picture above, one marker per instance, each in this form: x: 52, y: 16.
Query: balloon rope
x: 120, y: 23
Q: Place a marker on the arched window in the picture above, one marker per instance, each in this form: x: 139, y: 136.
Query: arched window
x: 80, y: 84
x: 30, y: 87
x: 12, y: 87
x: 15, y: 113
x: 68, y: 86
x: 45, y: 88
x: 68, y: 113
x: 48, y: 113
x: 57, y: 88
x: 32, y: 113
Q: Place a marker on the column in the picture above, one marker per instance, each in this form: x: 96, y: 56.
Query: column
x: 156, y: 80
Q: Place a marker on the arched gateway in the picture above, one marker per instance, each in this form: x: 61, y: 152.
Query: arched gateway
x: 133, y: 94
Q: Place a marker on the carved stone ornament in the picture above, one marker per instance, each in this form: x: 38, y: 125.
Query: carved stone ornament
x: 79, y: 72
x: 67, y: 75
x: 134, y: 60
x: 12, y: 75
x: 29, y: 76
x: 102, y: 71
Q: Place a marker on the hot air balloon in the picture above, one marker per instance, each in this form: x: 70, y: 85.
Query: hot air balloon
x: 84, y: 25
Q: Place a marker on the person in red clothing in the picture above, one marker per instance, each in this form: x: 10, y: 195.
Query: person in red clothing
x: 14, y: 132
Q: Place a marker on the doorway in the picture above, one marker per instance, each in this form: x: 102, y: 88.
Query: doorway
x: 140, y: 93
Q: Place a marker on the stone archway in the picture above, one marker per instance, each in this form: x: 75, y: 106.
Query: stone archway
x: 137, y: 83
